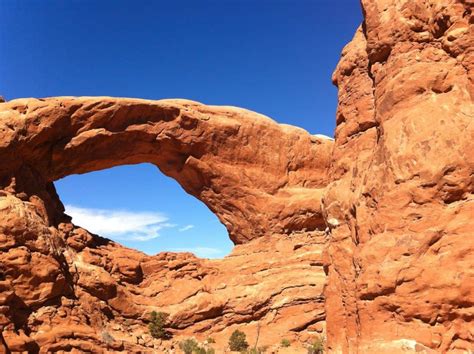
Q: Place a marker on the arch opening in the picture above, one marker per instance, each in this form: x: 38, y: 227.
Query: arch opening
x: 141, y: 208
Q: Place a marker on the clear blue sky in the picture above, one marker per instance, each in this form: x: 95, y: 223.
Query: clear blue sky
x: 274, y: 57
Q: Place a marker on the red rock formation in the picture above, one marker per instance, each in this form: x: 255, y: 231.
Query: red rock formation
x: 236, y: 161
x: 64, y: 288
x: 400, y: 205
x: 396, y: 192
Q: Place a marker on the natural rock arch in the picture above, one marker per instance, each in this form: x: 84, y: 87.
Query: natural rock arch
x: 257, y: 176
x: 63, y: 285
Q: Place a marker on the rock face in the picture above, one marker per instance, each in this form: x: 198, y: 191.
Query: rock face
x: 400, y: 205
x: 63, y: 288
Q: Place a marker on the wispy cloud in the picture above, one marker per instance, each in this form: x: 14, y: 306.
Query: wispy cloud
x: 186, y: 228
x: 203, y: 252
x: 119, y: 224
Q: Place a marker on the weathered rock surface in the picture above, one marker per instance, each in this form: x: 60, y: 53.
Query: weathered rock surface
x: 400, y: 204
x: 64, y: 288
x: 236, y: 161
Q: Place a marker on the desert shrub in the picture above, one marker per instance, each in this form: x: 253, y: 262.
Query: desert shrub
x: 210, y: 340
x: 316, y: 346
x: 238, y: 341
x: 188, y: 346
x: 259, y: 350
x: 157, y: 325
x: 107, y: 337
x: 202, y: 350
x: 285, y: 343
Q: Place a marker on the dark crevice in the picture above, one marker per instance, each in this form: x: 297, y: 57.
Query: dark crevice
x: 2, y: 341
x: 442, y: 24
x: 305, y: 326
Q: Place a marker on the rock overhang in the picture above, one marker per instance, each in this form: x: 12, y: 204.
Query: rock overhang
x: 244, y: 166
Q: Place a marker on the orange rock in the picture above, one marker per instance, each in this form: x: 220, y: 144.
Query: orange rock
x: 69, y: 289
x: 393, y: 194
x: 225, y: 156
x: 19, y: 342
x: 400, y: 204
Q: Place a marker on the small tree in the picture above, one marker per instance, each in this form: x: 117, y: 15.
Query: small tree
x: 238, y: 341
x: 259, y: 350
x: 157, y: 325
x: 188, y: 346
x: 285, y: 343
x: 317, y: 346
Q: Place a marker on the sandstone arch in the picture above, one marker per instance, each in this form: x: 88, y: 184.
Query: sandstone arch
x: 259, y: 177
x: 61, y: 286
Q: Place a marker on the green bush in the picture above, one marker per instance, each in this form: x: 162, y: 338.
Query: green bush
x: 202, y: 350
x: 259, y: 350
x: 157, y: 325
x: 190, y: 346
x: 238, y: 341
x: 317, y: 346
x: 210, y: 340
x: 285, y: 343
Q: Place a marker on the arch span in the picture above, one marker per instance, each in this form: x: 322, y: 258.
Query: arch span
x: 257, y: 176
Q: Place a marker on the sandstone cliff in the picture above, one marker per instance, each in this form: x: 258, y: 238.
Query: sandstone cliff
x: 400, y: 204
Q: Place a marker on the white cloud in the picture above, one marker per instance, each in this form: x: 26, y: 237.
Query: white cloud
x: 203, y: 252
x: 186, y: 228
x: 323, y: 136
x: 119, y: 224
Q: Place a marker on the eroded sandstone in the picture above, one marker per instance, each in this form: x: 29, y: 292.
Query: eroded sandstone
x: 64, y: 288
x: 393, y: 194
x: 400, y: 204
x: 236, y: 161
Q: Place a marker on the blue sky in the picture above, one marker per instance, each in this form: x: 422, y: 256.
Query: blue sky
x: 275, y: 57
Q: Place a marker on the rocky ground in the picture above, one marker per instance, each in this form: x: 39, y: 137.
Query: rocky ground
x: 103, y: 294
